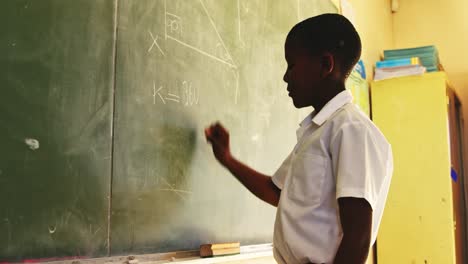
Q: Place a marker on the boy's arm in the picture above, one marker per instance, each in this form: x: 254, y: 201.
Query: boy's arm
x: 356, y: 222
x: 259, y: 184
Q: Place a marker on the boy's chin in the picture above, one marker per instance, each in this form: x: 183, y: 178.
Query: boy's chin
x: 298, y: 105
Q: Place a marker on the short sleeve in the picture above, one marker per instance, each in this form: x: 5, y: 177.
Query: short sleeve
x: 280, y: 175
x: 359, y: 163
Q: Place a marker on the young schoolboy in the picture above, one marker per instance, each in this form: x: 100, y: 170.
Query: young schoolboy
x: 330, y: 191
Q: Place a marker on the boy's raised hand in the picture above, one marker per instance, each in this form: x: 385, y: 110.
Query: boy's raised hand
x: 259, y: 184
x: 218, y: 137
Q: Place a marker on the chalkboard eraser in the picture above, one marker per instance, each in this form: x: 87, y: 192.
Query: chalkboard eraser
x: 222, y: 249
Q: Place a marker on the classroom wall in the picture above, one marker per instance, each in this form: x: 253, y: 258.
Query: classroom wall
x: 443, y: 23
x: 373, y: 20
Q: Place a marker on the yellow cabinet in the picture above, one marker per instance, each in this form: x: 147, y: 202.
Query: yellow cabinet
x: 418, y: 222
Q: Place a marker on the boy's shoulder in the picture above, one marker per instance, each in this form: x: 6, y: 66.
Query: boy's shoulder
x: 350, y: 114
x: 350, y: 117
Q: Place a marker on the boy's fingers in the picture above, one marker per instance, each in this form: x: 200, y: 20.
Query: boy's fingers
x: 214, y: 132
x: 219, y: 126
x: 218, y: 129
x: 210, y: 134
x: 207, y: 133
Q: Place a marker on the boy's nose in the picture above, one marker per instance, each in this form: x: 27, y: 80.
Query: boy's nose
x: 285, y: 77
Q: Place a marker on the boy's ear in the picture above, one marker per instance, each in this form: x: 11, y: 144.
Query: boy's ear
x: 328, y: 64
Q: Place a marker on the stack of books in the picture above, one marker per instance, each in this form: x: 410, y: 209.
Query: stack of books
x: 406, y: 62
x: 398, y: 68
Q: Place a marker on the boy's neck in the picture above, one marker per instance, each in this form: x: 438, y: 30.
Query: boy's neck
x: 332, y: 90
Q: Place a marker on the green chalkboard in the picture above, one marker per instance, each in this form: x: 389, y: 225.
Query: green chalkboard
x: 181, y: 65
x: 56, y: 71
x: 102, y: 109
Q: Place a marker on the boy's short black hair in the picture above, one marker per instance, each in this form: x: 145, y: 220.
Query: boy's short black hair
x: 329, y: 33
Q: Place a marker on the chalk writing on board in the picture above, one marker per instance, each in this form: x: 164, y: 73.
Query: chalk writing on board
x: 184, y: 93
x: 157, y: 92
x: 221, y: 52
x: 239, y: 23
x: 174, y: 25
x: 173, y: 31
x: 191, y: 95
x: 52, y: 229
x: 155, y: 43
x: 173, y: 97
x: 181, y: 193
x: 216, y: 30
x: 32, y: 143
x: 236, y: 96
x: 231, y: 82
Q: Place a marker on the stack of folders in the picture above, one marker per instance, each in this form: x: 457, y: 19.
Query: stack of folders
x: 406, y: 62
x: 428, y: 55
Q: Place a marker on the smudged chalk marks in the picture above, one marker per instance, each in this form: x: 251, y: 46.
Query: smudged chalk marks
x: 32, y: 143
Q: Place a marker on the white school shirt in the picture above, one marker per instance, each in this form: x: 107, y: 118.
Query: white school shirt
x: 340, y: 153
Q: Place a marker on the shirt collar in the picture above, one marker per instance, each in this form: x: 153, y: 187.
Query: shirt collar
x: 331, y: 107
x: 327, y: 111
x: 307, y: 120
x: 304, y: 125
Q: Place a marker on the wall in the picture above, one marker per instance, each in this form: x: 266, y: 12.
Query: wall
x: 443, y: 23
x: 419, y: 22
x: 373, y: 20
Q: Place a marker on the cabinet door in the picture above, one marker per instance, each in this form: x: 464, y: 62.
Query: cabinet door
x: 458, y: 180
